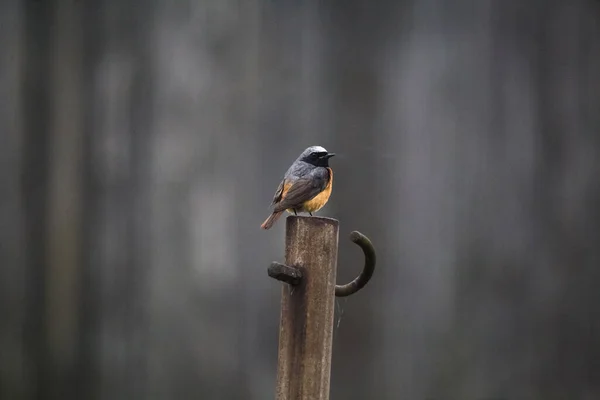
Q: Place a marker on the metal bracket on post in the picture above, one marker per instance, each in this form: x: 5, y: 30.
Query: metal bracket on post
x: 293, y: 275
x: 306, y: 326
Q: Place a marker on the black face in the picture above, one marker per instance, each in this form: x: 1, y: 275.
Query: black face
x: 318, y: 158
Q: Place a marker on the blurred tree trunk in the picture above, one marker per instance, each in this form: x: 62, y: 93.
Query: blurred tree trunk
x: 17, y: 362
x: 117, y: 163
x: 35, y: 165
x: 63, y: 201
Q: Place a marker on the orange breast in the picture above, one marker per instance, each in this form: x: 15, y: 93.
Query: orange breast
x: 317, y: 202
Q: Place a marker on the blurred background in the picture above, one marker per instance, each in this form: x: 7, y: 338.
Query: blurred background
x: 142, y: 143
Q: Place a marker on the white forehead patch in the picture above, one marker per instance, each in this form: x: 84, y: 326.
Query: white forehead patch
x: 315, y: 149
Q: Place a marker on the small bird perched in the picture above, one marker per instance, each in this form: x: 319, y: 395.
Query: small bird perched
x: 306, y: 186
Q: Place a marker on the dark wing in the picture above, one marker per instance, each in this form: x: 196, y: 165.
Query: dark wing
x: 278, y: 193
x: 304, y: 189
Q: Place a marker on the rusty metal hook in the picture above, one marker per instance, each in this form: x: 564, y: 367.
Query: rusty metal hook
x: 293, y: 275
x: 365, y: 276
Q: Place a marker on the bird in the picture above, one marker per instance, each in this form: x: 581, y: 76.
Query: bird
x: 306, y: 186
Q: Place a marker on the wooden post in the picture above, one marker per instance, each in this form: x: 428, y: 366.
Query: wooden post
x: 306, y: 326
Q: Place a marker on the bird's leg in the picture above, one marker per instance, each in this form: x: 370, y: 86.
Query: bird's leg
x: 294, y: 211
x: 310, y: 213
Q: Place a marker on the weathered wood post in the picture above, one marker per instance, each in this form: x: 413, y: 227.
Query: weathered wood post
x: 307, y: 304
x: 306, y: 326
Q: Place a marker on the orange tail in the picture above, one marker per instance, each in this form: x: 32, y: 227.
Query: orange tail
x: 271, y: 220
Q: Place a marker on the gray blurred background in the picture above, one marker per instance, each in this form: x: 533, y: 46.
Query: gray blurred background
x: 142, y: 143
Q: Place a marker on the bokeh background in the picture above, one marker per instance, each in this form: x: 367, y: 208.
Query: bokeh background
x: 142, y: 142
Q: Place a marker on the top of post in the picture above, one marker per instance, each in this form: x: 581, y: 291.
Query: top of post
x: 312, y: 221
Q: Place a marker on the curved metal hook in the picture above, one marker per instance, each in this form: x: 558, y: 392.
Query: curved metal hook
x: 367, y: 272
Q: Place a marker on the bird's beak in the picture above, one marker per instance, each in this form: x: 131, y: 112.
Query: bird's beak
x: 329, y: 155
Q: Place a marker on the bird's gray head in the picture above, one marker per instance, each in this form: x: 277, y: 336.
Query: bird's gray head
x: 317, y: 156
